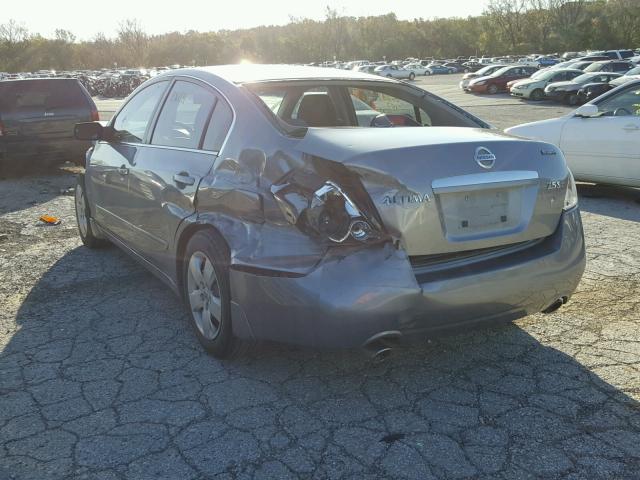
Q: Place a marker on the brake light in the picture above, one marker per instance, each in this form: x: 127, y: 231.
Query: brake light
x: 95, y: 116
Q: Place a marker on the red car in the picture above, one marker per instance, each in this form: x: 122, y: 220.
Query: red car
x: 497, y: 81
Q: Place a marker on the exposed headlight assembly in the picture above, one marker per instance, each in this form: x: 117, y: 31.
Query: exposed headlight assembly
x: 571, y: 197
x: 481, y: 82
x: 327, y: 212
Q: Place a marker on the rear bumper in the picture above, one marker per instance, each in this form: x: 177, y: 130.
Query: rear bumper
x: 43, y: 149
x: 349, y: 299
x: 556, y: 96
x: 477, y: 88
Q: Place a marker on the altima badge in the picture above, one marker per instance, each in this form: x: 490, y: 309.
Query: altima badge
x: 485, y: 158
x: 403, y: 200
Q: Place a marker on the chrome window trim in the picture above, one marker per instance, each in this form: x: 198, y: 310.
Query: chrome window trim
x: 226, y: 99
x: 172, y: 78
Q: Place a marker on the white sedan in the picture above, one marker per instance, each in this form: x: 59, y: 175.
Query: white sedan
x: 394, y: 71
x: 600, y: 140
x: 417, y: 68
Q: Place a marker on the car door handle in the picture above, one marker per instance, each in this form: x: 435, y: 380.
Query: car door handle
x: 123, y: 170
x: 631, y: 128
x: 184, y: 178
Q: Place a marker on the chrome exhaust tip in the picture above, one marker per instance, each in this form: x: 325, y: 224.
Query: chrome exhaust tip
x: 555, y: 305
x: 381, y: 345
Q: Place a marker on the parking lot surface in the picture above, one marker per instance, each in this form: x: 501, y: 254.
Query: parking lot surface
x: 102, y: 378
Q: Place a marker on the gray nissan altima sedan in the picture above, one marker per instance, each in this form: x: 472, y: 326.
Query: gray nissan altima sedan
x: 328, y: 208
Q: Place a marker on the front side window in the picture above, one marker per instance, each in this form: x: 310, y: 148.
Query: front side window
x: 184, y: 116
x: 132, y: 121
x: 625, y: 103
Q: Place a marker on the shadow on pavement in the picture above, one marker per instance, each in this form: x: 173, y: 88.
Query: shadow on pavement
x: 624, y: 201
x: 104, y: 377
x: 35, y: 186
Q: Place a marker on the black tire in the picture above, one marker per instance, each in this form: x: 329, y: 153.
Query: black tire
x: 537, y: 95
x: 87, y: 235
x: 412, y: 76
x: 427, y: 72
x: 224, y: 344
x: 572, y: 99
x: 492, y: 89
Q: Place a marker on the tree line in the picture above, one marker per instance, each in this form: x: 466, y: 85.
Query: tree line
x: 505, y: 27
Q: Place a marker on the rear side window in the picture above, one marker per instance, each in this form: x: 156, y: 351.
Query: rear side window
x: 133, y: 120
x: 219, y: 125
x: 41, y: 95
x: 368, y: 104
x: 184, y: 116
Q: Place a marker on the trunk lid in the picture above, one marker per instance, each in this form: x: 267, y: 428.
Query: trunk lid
x: 447, y: 189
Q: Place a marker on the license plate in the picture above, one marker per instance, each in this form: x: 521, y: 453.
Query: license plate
x: 467, y: 214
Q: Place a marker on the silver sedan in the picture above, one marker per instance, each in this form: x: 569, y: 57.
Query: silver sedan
x: 328, y: 208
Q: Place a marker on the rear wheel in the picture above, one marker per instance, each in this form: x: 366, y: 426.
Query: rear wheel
x: 492, y: 89
x: 537, y: 95
x: 572, y: 99
x: 207, y: 292
x: 412, y: 76
x: 427, y: 72
x: 83, y: 217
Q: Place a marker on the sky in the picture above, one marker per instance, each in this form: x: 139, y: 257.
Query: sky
x: 86, y: 18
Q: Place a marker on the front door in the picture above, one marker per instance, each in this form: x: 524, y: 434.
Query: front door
x: 606, y: 148
x: 111, y: 162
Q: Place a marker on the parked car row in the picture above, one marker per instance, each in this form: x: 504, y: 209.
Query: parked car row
x: 110, y: 83
x: 573, y: 82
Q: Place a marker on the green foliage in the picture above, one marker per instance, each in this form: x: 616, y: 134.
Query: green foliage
x: 506, y: 27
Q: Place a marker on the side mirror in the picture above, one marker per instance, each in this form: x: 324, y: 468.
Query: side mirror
x: 92, y: 131
x: 587, y: 111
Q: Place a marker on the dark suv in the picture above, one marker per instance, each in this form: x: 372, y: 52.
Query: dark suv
x: 37, y: 119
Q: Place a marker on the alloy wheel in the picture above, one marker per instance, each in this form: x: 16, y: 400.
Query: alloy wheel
x: 204, y: 295
x: 81, y: 211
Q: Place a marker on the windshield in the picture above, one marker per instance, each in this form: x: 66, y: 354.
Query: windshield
x: 585, y: 77
x: 543, y: 74
x: 634, y: 71
x: 500, y: 71
x: 594, y: 67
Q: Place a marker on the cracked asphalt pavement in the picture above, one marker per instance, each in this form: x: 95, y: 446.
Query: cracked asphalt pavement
x: 102, y: 378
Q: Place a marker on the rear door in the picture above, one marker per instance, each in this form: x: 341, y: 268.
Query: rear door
x: 111, y: 162
x: 188, y: 134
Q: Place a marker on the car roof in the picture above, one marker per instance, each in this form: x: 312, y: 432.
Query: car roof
x: 614, y: 60
x: 249, y: 73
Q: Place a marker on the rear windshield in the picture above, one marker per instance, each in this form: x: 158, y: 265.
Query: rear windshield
x: 343, y: 103
x: 41, y: 94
